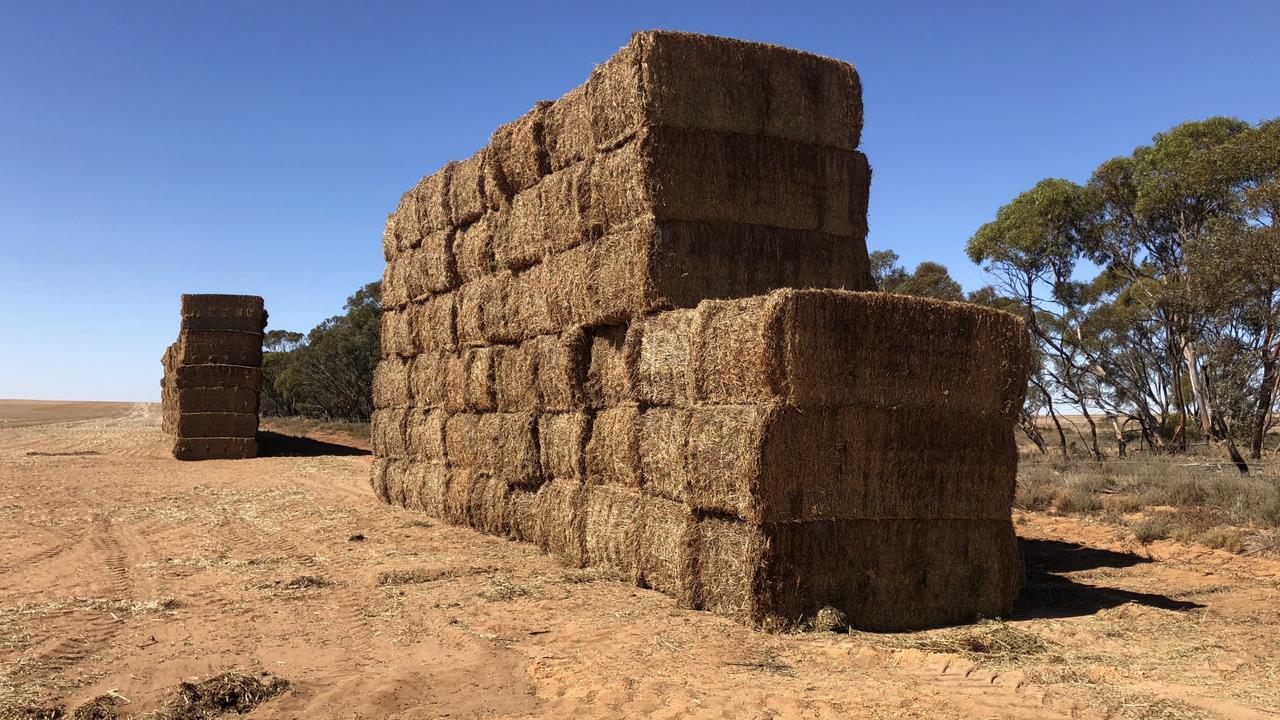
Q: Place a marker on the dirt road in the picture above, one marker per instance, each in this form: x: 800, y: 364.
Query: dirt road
x: 125, y: 571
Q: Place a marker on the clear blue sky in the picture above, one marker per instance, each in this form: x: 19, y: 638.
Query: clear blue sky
x: 151, y: 149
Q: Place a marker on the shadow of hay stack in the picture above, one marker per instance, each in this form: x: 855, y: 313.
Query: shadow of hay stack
x: 273, y: 444
x: 1047, y: 594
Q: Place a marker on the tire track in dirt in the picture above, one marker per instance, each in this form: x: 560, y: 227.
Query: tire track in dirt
x: 92, y: 629
x: 48, y: 553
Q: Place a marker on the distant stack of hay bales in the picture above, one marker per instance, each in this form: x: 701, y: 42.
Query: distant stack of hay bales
x: 212, y: 376
x: 581, y: 349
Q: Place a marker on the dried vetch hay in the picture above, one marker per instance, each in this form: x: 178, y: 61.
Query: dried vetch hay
x: 613, y: 452
x: 699, y: 81
x: 682, y: 174
x: 882, y: 574
x: 220, y: 347
x: 502, y: 444
x: 815, y: 348
x: 777, y: 463
x: 209, y: 390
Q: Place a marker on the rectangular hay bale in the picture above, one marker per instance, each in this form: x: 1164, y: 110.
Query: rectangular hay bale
x: 613, y: 451
x: 562, y: 444
x: 883, y: 575
x: 611, y: 530
x: 815, y: 348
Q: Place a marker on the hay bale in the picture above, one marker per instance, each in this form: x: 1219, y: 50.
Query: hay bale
x: 466, y: 190
x: 714, y: 83
x: 663, y: 434
x: 713, y: 176
x: 559, y: 520
x: 613, y: 451
x: 487, y: 505
x: 603, y: 282
x: 203, y: 311
x: 481, y: 314
x: 696, y: 261
x: 430, y: 268
x: 388, y: 432
x: 432, y: 322
x: 478, y: 391
x: 666, y: 543
x: 518, y: 156
x: 216, y: 376
x: 431, y: 201
x: 214, y: 448
x: 473, y: 248
x: 504, y: 445
x: 561, y: 367
x: 562, y: 444
x: 527, y: 313
x: 397, y: 482
x: 728, y: 557
x: 516, y: 453
x: 236, y: 400
x: 611, y: 529
x: 616, y: 97
x: 457, y: 494
x: 882, y: 574
x: 521, y: 240
x: 425, y: 484
x: 855, y: 462
x: 607, y: 383
x: 567, y: 130
x: 219, y: 347
x: 453, y: 376
x: 814, y: 348
x: 216, y: 425
x: 394, y: 294
x: 657, y: 357
x: 656, y: 266
x: 378, y: 478
x: 750, y: 88
x: 424, y: 435
x: 566, y: 203
x: 430, y: 381
x: 391, y: 384
x: 520, y: 510
x: 515, y: 378
x: 398, y: 336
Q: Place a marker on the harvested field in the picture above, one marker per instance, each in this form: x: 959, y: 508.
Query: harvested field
x: 127, y: 571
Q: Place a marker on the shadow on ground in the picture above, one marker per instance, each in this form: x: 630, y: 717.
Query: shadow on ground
x: 273, y: 444
x: 1048, y: 594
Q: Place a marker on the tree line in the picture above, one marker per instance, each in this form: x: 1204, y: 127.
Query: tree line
x: 1171, y: 334
x: 328, y: 372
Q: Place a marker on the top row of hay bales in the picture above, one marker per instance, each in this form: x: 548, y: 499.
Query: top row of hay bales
x: 659, y: 80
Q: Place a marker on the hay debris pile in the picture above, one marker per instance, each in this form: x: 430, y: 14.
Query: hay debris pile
x: 212, y: 375
x: 589, y: 343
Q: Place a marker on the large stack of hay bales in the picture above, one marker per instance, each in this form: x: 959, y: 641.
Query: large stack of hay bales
x: 581, y: 349
x: 212, y: 375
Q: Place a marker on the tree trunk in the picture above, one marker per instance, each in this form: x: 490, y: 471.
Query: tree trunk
x: 1121, y: 443
x: 1266, y: 400
x: 1094, y: 450
x: 1203, y: 408
x: 1027, y: 422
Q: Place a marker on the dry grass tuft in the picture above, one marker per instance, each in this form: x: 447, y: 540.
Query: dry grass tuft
x: 991, y: 639
x: 829, y: 619
x: 413, y: 576
x: 230, y: 692
x: 1149, y: 529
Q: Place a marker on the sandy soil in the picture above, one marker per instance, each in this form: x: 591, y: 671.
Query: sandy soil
x: 126, y: 571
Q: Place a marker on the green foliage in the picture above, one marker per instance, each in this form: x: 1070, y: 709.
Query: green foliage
x: 1183, y: 321
x: 329, y: 372
x: 930, y: 279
